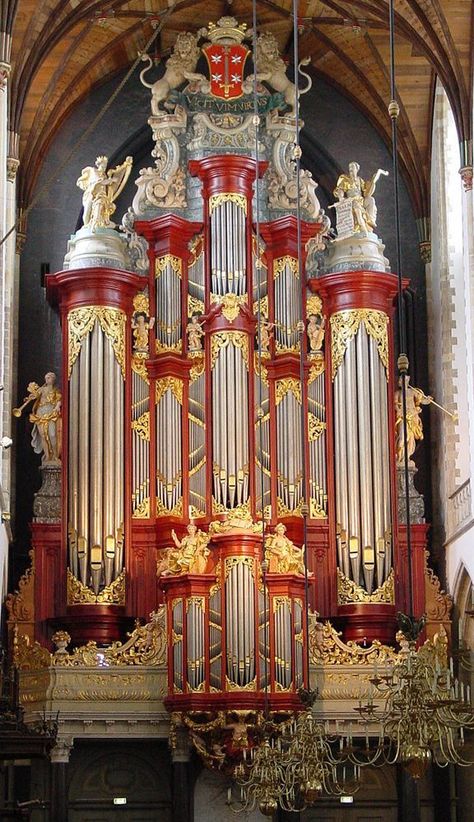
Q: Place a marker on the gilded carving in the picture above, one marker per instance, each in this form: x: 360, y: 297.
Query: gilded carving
x: 141, y: 426
x: 223, y: 338
x: 348, y: 591
x: 344, y: 327
x: 195, y: 306
x: 283, y: 263
x: 81, y: 321
x: 316, y: 510
x: 315, y: 427
x: 197, y: 369
x: 317, y: 367
x: 79, y: 594
x: 139, y: 367
x: 146, y: 645
x: 327, y: 648
x: 162, y: 511
x: 216, y: 200
x: 172, y: 384
x: 28, y: 655
x: 282, y: 555
x: 438, y: 603
x: 261, y: 306
x: 21, y: 604
x: 314, y: 305
x: 168, y: 260
x: 288, y: 384
x: 190, y: 555
x: 161, y: 348
x: 230, y: 305
x: 142, y: 511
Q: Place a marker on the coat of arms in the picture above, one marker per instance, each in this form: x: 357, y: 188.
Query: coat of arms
x: 226, y: 56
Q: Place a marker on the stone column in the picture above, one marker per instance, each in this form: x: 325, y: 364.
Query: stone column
x: 59, y: 761
x: 466, y: 172
x: 181, y: 779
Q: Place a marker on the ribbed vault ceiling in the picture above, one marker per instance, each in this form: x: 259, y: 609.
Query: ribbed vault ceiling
x: 62, y: 48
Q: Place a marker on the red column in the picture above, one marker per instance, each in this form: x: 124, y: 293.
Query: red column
x: 71, y: 289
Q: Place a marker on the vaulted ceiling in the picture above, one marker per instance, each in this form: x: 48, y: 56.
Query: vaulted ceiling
x: 61, y: 49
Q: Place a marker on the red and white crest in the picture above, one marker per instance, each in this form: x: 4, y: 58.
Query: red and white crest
x: 226, y: 69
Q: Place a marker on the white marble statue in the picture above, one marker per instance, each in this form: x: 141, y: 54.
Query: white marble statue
x: 101, y: 188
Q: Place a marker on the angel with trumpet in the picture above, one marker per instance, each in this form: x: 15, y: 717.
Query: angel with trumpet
x: 46, y: 418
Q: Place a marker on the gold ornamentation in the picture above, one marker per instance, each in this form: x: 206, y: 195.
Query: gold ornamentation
x: 141, y: 303
x: 81, y: 321
x: 348, y: 591
x: 438, y: 603
x: 162, y: 511
x: 317, y: 367
x: 238, y: 520
x: 197, y: 369
x: 146, y: 645
x: 142, y: 511
x: 260, y: 370
x: 190, y: 555
x: 79, y: 594
x: 288, y: 384
x: 21, y: 604
x: 263, y: 307
x: 315, y: 427
x: 230, y: 305
x: 218, y: 507
x: 216, y: 200
x: 326, y: 647
x: 281, y: 263
x: 168, y: 260
x: 344, y: 327
x: 223, y: 338
x: 314, y: 305
x: 141, y: 426
x: 284, y: 511
x: 233, y: 686
x: 28, y: 655
x: 282, y: 555
x: 316, y: 511
x: 139, y: 367
x: 172, y: 384
x: 161, y: 348
x: 231, y: 562
x: 195, y: 306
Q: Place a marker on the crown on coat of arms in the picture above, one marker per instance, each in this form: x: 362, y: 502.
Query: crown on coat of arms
x: 226, y: 29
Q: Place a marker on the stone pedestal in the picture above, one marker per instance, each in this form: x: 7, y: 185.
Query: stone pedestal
x: 360, y: 251
x: 47, y: 501
x: 103, y: 247
x: 417, y: 503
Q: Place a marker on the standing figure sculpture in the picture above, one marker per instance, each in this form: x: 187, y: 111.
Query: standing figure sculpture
x: 101, y: 188
x: 271, y: 69
x: 195, y: 334
x: 415, y: 399
x: 46, y: 418
x: 141, y: 324
x: 352, y: 187
x: 282, y: 555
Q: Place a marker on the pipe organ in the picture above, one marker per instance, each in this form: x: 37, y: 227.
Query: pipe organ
x: 217, y: 390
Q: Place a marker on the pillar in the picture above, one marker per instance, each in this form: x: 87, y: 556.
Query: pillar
x: 181, y: 779
x: 59, y: 757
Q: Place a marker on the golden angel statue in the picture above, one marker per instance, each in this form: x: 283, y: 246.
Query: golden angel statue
x: 101, y: 188
x: 46, y: 418
x: 415, y: 399
x: 190, y: 555
x: 282, y: 555
x: 352, y: 187
x: 195, y: 333
x: 315, y: 332
x: 141, y: 324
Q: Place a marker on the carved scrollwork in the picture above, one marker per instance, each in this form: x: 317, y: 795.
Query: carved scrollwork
x: 223, y: 338
x: 81, y: 321
x: 172, y: 384
x: 344, y: 327
x: 79, y: 594
x: 141, y: 426
x: 326, y: 647
x: 349, y: 591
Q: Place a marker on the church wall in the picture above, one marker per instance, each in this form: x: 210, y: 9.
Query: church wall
x: 332, y: 122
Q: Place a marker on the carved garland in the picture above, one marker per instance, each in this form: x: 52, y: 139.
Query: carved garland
x: 223, y: 338
x: 172, y: 384
x: 79, y: 594
x: 168, y: 260
x: 81, y: 321
x: 287, y: 262
x: 216, y: 200
x: 344, y: 327
x: 348, y: 591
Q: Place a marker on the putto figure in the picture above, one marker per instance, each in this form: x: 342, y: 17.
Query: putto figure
x: 195, y: 333
x: 315, y: 332
x: 46, y: 418
x: 282, y: 555
x: 352, y: 187
x: 101, y: 188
